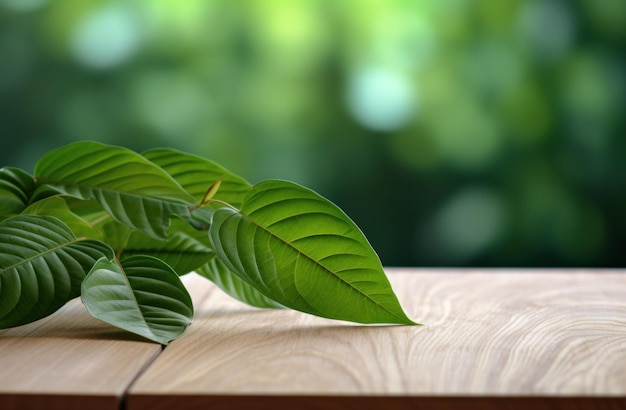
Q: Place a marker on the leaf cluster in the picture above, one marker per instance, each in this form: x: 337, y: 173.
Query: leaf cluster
x: 119, y: 228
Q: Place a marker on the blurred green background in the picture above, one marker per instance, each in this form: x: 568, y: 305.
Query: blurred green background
x: 454, y: 132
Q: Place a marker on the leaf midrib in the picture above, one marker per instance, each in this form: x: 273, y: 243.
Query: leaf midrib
x: 43, y: 254
x: 91, y: 188
x: 134, y: 298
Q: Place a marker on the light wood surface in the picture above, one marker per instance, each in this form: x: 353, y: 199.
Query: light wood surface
x: 72, y: 361
x: 545, y: 339
x: 491, y: 340
x: 68, y: 361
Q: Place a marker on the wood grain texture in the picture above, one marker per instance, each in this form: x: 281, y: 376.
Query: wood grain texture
x: 491, y: 339
x: 72, y: 361
x: 69, y: 360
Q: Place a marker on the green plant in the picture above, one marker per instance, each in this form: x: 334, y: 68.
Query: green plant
x: 118, y: 228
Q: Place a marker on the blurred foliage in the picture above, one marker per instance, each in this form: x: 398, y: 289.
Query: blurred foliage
x: 454, y: 132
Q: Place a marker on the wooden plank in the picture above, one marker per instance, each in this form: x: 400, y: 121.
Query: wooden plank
x: 69, y: 361
x: 72, y: 361
x: 548, y: 339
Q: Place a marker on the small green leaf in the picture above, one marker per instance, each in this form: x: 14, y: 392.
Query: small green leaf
x: 16, y: 188
x: 210, y: 193
x: 197, y: 175
x: 301, y: 250
x: 42, y: 265
x: 130, y: 188
x: 142, y: 295
x: 234, y: 286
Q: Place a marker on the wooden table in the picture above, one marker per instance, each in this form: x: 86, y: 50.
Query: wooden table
x: 492, y: 339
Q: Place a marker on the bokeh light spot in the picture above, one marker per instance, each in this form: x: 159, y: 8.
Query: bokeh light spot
x: 470, y: 222
x: 548, y: 28
x: 108, y: 37
x: 172, y: 105
x: 466, y: 136
x: 23, y: 5
x: 381, y: 99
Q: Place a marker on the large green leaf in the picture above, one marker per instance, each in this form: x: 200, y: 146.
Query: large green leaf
x: 42, y: 265
x: 301, y: 250
x: 197, y: 174
x: 132, y: 189
x: 16, y: 188
x: 185, y: 250
x: 234, y: 286
x: 142, y: 295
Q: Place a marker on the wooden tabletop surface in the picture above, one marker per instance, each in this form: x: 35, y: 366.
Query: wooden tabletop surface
x: 491, y: 338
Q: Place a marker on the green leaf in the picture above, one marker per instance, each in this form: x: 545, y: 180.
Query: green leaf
x: 200, y: 218
x: 16, y: 188
x: 57, y: 207
x: 88, y: 209
x: 301, y: 250
x: 142, y: 295
x: 234, y: 286
x: 42, y: 265
x: 133, y: 190
x: 197, y: 175
x: 116, y: 235
x: 185, y: 250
